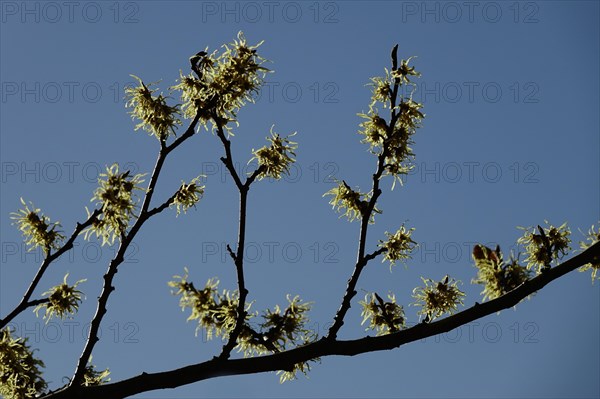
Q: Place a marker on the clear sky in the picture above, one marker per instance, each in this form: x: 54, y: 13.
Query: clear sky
x: 511, y: 94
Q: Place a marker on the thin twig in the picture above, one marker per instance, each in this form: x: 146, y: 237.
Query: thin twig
x: 68, y: 245
x: 231, y: 253
x: 227, y: 159
x: 361, y: 259
x: 238, y: 257
x: 126, y: 240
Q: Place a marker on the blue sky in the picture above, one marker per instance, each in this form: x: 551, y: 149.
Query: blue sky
x: 511, y: 94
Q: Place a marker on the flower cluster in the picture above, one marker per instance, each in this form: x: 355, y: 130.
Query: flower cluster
x: 20, y: 375
x: 385, y: 317
x: 351, y: 203
x: 592, y: 238
x: 155, y: 116
x: 383, y: 86
x: 64, y: 300
x: 224, y: 83
x: 543, y: 245
x: 496, y: 276
x: 275, y: 159
x: 279, y: 329
x: 289, y: 375
x: 404, y: 72
x: 216, y: 312
x: 437, y: 298
x: 188, y: 195
x: 381, y: 91
x: 392, y: 139
x: 36, y: 228
x: 93, y: 377
x: 286, y: 326
x: 115, y: 196
x: 398, y: 246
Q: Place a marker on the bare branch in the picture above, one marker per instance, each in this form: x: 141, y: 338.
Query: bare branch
x: 228, y: 160
x: 238, y: 258
x: 250, y: 179
x: 375, y: 254
x: 189, y: 132
x: 161, y: 207
x: 231, y: 253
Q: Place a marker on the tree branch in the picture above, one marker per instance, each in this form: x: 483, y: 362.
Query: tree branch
x: 325, y: 347
x: 375, y: 254
x: 250, y: 179
x: 228, y: 160
x: 25, y: 303
x: 189, y: 132
x: 231, y: 253
x: 126, y: 240
x: 161, y: 207
x: 361, y: 260
x: 238, y: 257
x: 239, y: 266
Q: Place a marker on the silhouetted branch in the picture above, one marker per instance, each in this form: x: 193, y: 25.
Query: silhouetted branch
x: 361, y: 260
x: 126, y: 239
x: 68, y: 245
x: 325, y: 347
x: 227, y: 159
x: 238, y: 257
